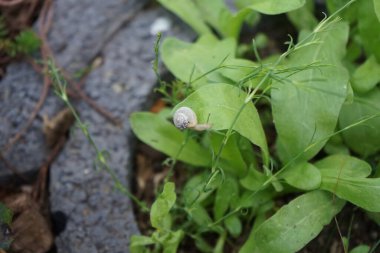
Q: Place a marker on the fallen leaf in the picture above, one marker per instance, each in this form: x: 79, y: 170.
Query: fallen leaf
x: 31, y: 231
x: 57, y: 126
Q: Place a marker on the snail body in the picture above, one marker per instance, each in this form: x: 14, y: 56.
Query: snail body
x: 184, y: 117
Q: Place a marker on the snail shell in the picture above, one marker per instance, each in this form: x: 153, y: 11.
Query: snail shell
x: 185, y: 117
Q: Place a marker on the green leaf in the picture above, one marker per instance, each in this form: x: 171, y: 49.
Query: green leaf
x: 194, y: 189
x: 365, y: 138
x: 138, y: 243
x: 366, y: 76
x: 219, y: 16
x: 225, y: 193
x: 189, y: 13
x: 172, y: 242
x: 363, y: 192
x: 231, y: 155
x: 5, y: 221
x: 5, y: 214
x: 218, y: 104
x: 303, y: 176
x: 319, y: 91
x: 303, y: 18
x: 183, y: 59
x: 272, y: 7
x: 163, y: 136
x: 345, y: 177
x: 159, y: 212
x: 27, y: 42
x: 295, y: 224
x: 200, y: 216
x: 344, y: 166
x: 253, y: 180
x: 233, y: 225
x: 349, y: 14
x: 335, y: 145
x: 360, y: 249
x: 253, y: 199
x: 376, y: 3
x: 369, y: 30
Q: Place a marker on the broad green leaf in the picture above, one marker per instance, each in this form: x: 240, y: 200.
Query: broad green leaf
x: 159, y: 212
x: 193, y: 191
x: 335, y: 145
x: 200, y: 216
x: 253, y: 199
x: 344, y: 166
x: 226, y: 192
x: 231, y: 154
x: 202, y: 244
x: 241, y: 71
x: 253, y: 180
x: 220, y: 243
x: 376, y: 3
x: 303, y: 176
x: 189, y: 13
x: 295, y: 224
x: 5, y: 214
x: 183, y: 58
x: 306, y: 105
x: 365, y: 138
x: 345, y: 177
x: 272, y: 7
x: 303, y: 18
x: 172, y: 242
x: 139, y: 243
x: 233, y: 225
x: 360, y: 249
x: 165, y: 137
x: 219, y: 16
x: 363, y: 192
x: 261, y: 217
x: 366, y: 76
x: 349, y: 14
x: 369, y: 30
x: 218, y: 104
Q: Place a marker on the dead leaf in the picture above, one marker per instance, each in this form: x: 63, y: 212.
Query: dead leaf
x: 158, y: 106
x: 31, y: 231
x: 57, y: 126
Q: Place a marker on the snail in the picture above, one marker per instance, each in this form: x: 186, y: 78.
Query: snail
x: 184, y: 117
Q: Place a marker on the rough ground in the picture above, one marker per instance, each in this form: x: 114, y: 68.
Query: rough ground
x: 98, y: 219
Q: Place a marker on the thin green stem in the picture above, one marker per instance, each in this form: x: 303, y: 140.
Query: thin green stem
x: 60, y: 89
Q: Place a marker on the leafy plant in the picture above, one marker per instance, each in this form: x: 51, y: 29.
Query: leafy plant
x: 5, y: 220
x: 323, y: 98
x: 24, y: 43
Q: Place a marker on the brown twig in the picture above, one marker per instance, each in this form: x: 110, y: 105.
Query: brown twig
x: 39, y: 188
x: 10, y: 3
x: 46, y: 16
x: 45, y: 22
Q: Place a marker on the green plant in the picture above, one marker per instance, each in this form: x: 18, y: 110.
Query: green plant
x: 5, y: 220
x: 24, y: 43
x: 60, y: 89
x: 322, y: 99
